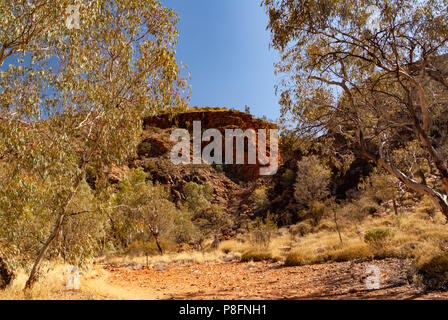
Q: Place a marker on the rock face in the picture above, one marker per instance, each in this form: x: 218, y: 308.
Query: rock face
x: 228, y: 180
x: 220, y: 119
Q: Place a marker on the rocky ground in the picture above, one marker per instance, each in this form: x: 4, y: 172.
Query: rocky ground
x: 265, y: 280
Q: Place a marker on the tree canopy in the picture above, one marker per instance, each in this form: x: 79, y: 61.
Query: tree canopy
x: 380, y: 85
x: 73, y: 98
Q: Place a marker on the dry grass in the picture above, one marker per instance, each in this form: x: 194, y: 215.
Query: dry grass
x: 168, y: 258
x: 94, y: 282
x: 420, y: 234
x: 257, y: 254
x: 51, y: 286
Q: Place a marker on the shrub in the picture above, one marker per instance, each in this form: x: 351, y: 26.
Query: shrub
x: 312, y: 180
x: 301, y: 228
x: 378, y: 238
x: 143, y: 211
x: 151, y: 167
x: 73, y: 248
x: 213, y: 220
x: 367, y: 206
x: 144, y: 149
x: 198, y: 196
x: 435, y: 266
x: 316, y: 211
x: 426, y: 209
x: 285, y: 218
x: 261, y: 231
x: 259, y: 197
x: 256, y: 254
x: 379, y: 187
x: 297, y: 259
x: 228, y: 246
x: 347, y: 253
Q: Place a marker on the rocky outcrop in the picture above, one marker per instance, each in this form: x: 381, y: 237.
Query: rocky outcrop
x: 228, y: 180
x: 216, y: 118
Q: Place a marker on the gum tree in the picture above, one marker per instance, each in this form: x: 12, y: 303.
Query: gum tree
x: 375, y: 76
x: 73, y: 98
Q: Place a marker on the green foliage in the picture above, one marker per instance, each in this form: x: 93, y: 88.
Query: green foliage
x: 213, y: 220
x: 86, y: 219
x: 139, y: 204
x: 288, y: 143
x: 379, y: 186
x: 71, y: 104
x: 260, y: 196
x: 151, y: 167
x: 312, y: 180
x: 198, y: 196
x: 341, y: 82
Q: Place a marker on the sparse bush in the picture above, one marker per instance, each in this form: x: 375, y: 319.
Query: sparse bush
x: 367, y: 206
x: 259, y: 197
x: 315, y: 212
x: 325, y: 225
x: 379, y: 187
x: 213, y: 220
x: 378, y: 238
x: 261, y: 231
x: 297, y: 259
x: 312, y: 180
x: 347, y: 253
x: 144, y: 212
x: 426, y: 209
x: 257, y: 254
x: 302, y: 228
x: 232, y: 246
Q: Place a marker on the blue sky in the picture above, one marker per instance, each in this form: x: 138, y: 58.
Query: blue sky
x: 226, y: 47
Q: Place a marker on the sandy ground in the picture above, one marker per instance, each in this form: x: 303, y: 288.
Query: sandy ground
x: 264, y: 280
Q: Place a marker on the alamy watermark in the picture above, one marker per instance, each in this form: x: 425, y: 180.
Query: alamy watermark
x: 72, y: 282
x: 212, y: 153
x: 373, y: 21
x: 72, y: 21
x: 373, y: 277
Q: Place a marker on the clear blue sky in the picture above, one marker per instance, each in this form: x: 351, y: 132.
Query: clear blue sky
x: 225, y: 45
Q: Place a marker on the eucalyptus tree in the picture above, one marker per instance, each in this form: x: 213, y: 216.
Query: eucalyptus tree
x: 373, y: 72
x: 73, y: 94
